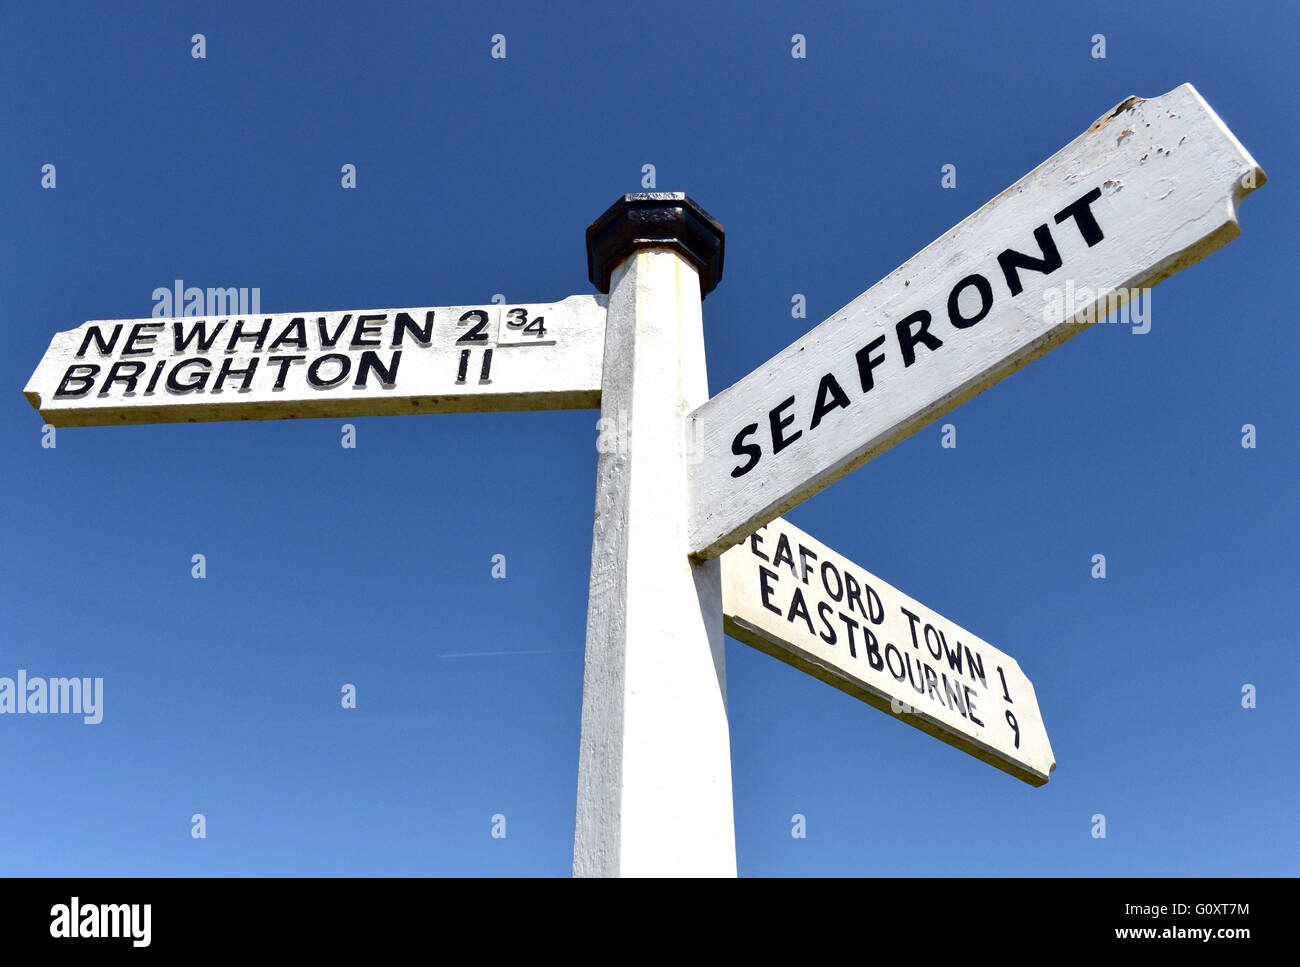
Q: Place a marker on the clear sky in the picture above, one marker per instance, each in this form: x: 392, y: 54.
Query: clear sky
x: 478, y: 176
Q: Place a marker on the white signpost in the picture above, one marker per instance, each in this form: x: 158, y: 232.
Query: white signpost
x: 344, y: 364
x: 1150, y: 188
x: 797, y: 600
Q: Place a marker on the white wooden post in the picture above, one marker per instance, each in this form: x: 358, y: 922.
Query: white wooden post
x: 654, y: 772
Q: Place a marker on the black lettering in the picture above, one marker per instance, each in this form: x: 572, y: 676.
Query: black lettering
x: 405, y: 324
x: 875, y: 608
x: 751, y: 450
x: 907, y: 339
x: 475, y: 333
x: 932, y: 684
x: 755, y: 539
x: 839, y: 584
x: 829, y: 385
x: 783, y: 554
x: 367, y: 326
x: 933, y: 639
x: 765, y: 588
x: 855, y: 595
x: 245, y: 375
x: 912, y: 619
x: 954, y: 655
x: 849, y: 625
x: 137, y: 333
x: 326, y: 340
x: 1082, y: 216
x: 799, y: 608
x: 104, y: 347
x: 954, y: 695
x: 1011, y: 260
x: 198, y: 334
x: 313, y: 371
x: 299, y: 340
x: 86, y: 379
x: 153, y: 380
x: 284, y: 362
x: 778, y: 424
x: 1005, y: 694
x: 892, y: 650
x: 970, y: 705
x: 370, y: 363
x: 823, y: 611
x: 954, y: 299
x: 916, y: 686
x: 128, y: 379
x: 196, y: 384
x: 873, y: 651
x: 239, y: 334
x: 804, y: 554
x: 868, y: 362
x: 971, y: 668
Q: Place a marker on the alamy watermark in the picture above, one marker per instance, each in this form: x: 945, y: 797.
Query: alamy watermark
x: 69, y: 696
x: 614, y: 435
x: 182, y: 300
x: 111, y: 921
x: 1084, y: 306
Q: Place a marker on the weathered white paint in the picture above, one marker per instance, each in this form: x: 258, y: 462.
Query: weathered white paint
x: 527, y: 370
x: 1170, y: 177
x: 797, y: 600
x: 654, y: 774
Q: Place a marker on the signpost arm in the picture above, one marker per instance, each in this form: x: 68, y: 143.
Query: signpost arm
x: 654, y: 771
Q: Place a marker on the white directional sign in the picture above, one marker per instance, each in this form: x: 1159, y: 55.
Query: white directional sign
x: 797, y: 600
x: 1152, y: 187
x: 338, y: 364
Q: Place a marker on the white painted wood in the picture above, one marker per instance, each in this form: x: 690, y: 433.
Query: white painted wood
x: 1169, y: 176
x: 528, y: 369
x: 654, y: 774
x: 797, y: 600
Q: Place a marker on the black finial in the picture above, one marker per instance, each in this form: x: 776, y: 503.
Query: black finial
x: 662, y: 219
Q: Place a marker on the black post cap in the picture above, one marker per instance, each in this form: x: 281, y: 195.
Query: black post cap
x: 660, y: 219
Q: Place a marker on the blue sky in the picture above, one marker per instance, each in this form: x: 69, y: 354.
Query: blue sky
x: 478, y: 176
